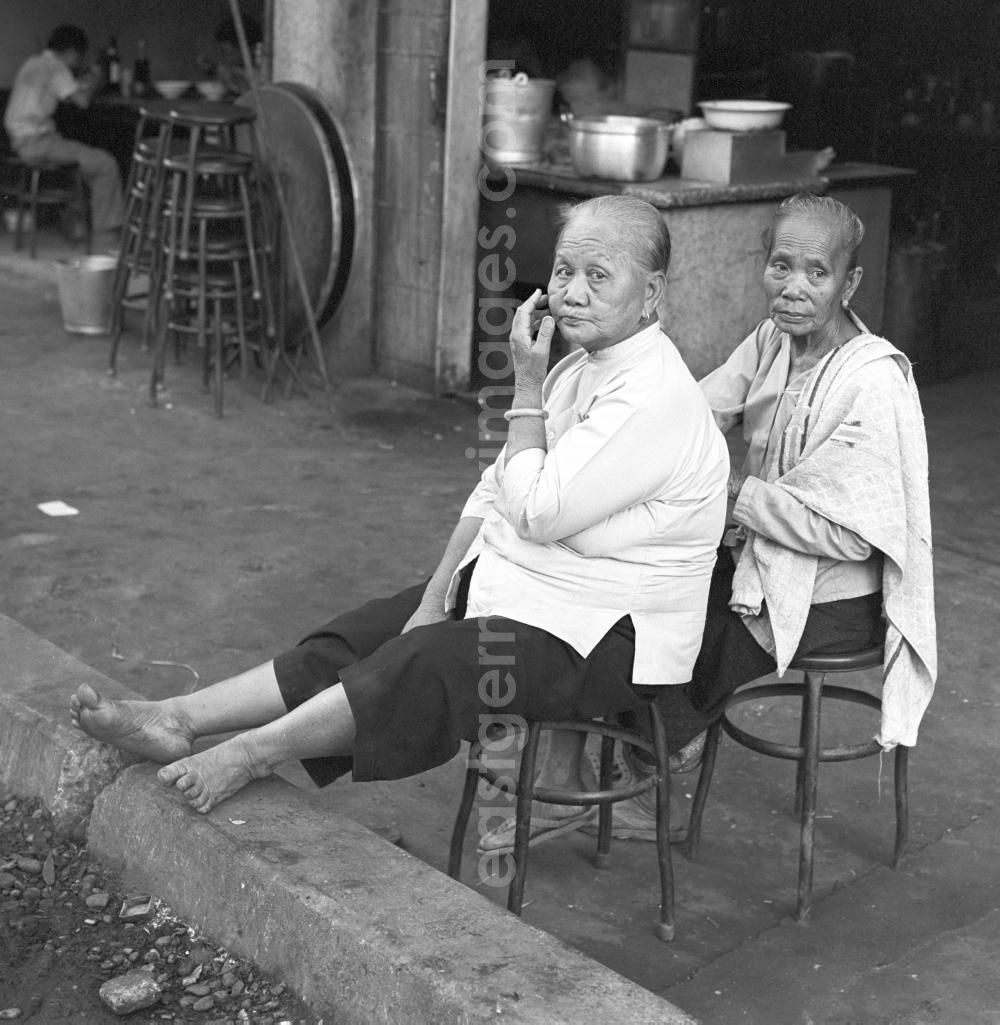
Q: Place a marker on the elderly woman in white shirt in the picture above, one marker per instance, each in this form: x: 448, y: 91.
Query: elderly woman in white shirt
x: 580, y: 564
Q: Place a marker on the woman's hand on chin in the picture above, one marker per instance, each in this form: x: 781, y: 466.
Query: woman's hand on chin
x: 531, y: 339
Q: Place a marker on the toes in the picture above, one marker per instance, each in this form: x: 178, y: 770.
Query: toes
x: 203, y: 804
x: 169, y: 774
x: 87, y: 696
x: 191, y: 786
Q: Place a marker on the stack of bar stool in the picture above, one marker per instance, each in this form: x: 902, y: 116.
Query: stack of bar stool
x: 198, y: 223
x: 526, y: 792
x: 812, y: 691
x: 46, y: 183
x: 217, y: 245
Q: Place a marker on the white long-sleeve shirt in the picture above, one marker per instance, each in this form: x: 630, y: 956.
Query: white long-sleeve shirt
x: 42, y: 82
x: 621, y: 516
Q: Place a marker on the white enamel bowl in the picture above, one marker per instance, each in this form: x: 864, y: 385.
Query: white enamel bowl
x: 743, y: 115
x: 171, y: 88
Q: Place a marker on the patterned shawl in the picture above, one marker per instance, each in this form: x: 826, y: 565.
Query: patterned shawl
x: 855, y: 451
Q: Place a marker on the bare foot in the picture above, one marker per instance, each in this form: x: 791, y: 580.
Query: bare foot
x: 144, y: 728
x: 209, y: 777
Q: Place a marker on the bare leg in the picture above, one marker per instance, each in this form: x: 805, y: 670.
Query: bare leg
x: 321, y: 726
x: 164, y: 731
x: 558, y: 765
x: 562, y: 765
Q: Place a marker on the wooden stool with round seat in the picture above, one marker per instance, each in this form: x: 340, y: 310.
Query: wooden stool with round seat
x: 526, y: 791
x: 46, y: 183
x: 812, y: 691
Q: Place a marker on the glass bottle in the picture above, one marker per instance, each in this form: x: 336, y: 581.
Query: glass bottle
x: 141, y: 77
x: 910, y: 113
x: 114, y: 66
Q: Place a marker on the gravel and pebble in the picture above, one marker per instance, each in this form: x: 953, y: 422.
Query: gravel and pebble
x: 72, y: 947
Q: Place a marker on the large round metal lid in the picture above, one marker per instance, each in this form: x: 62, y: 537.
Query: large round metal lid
x: 304, y: 147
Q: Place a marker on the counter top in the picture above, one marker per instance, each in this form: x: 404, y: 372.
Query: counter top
x: 868, y: 174
x: 673, y: 191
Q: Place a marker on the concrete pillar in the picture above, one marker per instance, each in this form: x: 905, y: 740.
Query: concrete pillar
x: 331, y: 48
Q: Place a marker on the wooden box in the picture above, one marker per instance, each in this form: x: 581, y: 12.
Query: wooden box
x: 736, y: 157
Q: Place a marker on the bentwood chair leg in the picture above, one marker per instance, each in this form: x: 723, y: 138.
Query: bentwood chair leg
x: 116, y: 336
x: 809, y: 766
x: 36, y: 180
x: 522, y: 832
x: 604, y: 815
x: 219, y: 357
x: 23, y: 185
x: 464, y: 811
x: 84, y: 208
x: 153, y: 294
x: 665, y: 926
x: 162, y: 339
x: 902, y: 805
x: 691, y: 847
x: 800, y: 765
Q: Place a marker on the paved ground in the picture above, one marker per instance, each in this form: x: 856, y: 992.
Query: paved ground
x: 202, y: 546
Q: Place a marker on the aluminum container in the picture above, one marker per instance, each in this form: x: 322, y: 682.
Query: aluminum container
x: 618, y: 147
x: 515, y: 115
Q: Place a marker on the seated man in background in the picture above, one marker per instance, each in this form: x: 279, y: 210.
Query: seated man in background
x: 230, y: 68
x: 44, y: 81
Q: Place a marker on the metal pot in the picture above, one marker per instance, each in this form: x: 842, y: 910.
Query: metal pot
x: 618, y: 147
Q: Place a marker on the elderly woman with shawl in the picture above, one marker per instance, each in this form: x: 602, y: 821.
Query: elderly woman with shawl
x: 832, y: 543
x: 829, y: 548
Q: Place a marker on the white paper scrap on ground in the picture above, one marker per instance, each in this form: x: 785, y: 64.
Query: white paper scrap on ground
x: 57, y: 508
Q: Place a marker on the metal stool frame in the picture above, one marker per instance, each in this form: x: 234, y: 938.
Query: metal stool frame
x: 31, y: 192
x: 198, y: 307
x: 807, y: 754
x: 224, y: 197
x: 201, y: 226
x: 526, y: 791
x: 211, y: 140
x: 141, y: 235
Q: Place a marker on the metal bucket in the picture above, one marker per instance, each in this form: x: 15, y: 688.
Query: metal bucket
x: 86, y: 287
x: 515, y: 115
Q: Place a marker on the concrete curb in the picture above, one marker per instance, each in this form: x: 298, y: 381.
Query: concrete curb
x: 361, y: 930
x: 41, y: 755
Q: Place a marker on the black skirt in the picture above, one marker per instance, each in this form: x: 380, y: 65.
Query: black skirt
x: 416, y: 696
x: 730, y: 657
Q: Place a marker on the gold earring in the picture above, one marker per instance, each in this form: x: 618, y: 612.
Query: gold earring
x: 845, y: 302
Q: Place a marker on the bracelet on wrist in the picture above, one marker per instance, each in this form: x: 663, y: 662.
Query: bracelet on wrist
x: 513, y: 414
